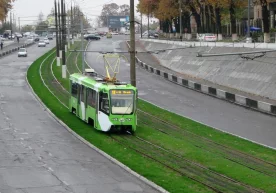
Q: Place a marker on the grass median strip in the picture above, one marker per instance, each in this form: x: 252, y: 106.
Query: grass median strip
x: 163, y: 176
x: 168, y: 179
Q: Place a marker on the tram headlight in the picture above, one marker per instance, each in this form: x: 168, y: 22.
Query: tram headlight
x: 115, y: 119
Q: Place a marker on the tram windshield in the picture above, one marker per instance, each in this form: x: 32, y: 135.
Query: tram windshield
x: 122, y: 101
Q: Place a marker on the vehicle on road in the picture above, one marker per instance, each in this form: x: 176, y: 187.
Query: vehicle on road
x: 127, y: 32
x: 114, y: 33
x: 108, y: 35
x: 30, y: 40
x: 2, y: 38
x: 11, y: 36
x: 92, y: 37
x: 46, y: 40
x: 104, y: 103
x: 22, y: 52
x: 50, y: 37
x: 41, y: 44
x: 207, y: 37
x: 19, y: 35
x: 150, y: 34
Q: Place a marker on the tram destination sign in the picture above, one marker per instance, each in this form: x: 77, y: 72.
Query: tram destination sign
x: 126, y: 92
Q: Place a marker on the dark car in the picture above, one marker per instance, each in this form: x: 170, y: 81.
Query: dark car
x: 36, y: 39
x: 92, y: 37
x: 50, y: 37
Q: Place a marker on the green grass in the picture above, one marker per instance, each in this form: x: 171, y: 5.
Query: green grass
x: 151, y: 170
x: 210, y: 133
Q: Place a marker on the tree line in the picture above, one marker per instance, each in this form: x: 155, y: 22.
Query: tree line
x: 209, y: 15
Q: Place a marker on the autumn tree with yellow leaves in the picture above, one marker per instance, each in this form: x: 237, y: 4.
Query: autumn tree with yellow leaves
x: 5, y: 6
x: 207, y: 13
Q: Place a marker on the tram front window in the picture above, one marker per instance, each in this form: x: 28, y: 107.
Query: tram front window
x: 122, y: 101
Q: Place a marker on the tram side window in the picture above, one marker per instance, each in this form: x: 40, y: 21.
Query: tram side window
x: 74, y: 90
x: 104, y: 103
x: 91, y: 97
x: 82, y: 93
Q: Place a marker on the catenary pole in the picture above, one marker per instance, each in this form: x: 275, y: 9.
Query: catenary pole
x: 248, y: 21
x: 141, y: 25
x: 180, y: 18
x: 63, y: 39
x: 57, y: 38
x: 132, y: 45
x: 82, y: 47
x: 60, y: 31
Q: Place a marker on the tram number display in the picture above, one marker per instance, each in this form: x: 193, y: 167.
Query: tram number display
x: 126, y: 92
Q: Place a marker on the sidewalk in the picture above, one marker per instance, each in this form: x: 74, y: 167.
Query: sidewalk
x: 216, y: 44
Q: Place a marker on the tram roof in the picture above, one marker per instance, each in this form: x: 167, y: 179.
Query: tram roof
x: 92, y: 82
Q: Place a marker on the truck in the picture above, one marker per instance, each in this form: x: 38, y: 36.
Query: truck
x: 103, y: 29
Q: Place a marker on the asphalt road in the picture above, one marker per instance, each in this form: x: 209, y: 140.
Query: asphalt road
x: 37, y: 155
x: 216, y: 113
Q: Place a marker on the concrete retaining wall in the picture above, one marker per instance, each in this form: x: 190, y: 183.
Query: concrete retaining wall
x: 252, y: 76
x: 231, y: 97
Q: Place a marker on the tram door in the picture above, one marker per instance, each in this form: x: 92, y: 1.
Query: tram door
x: 81, y: 102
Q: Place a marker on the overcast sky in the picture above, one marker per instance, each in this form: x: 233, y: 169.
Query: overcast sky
x: 27, y: 8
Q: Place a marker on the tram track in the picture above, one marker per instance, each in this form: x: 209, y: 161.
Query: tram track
x: 246, y: 160
x: 199, y: 173
x: 175, y: 162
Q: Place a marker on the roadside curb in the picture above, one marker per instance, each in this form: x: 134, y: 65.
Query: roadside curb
x: 260, y: 106
x: 127, y: 169
x: 5, y: 53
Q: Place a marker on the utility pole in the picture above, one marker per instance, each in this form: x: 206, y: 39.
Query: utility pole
x: 11, y: 23
x: 63, y: 39
x: 68, y: 29
x: 148, y: 21
x: 60, y: 31
x: 248, y: 19
x: 248, y: 39
x: 71, y: 23
x: 180, y: 18
x: 19, y: 25
x: 132, y: 45
x: 57, y: 38
x: 141, y: 25
x: 65, y: 26
x: 82, y: 47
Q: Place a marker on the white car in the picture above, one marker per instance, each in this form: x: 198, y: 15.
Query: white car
x: 207, y: 37
x: 127, y: 33
x: 46, y: 40
x: 18, y: 35
x: 30, y: 40
x: 42, y: 44
x: 22, y: 52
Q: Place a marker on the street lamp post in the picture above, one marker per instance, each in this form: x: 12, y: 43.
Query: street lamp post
x: 180, y: 18
x: 148, y: 19
x: 248, y: 39
x: 141, y: 25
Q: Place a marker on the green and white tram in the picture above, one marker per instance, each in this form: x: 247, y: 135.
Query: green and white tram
x: 103, y: 104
